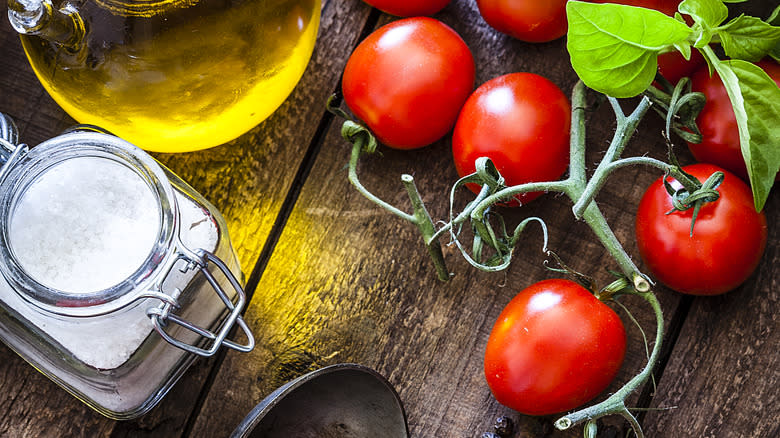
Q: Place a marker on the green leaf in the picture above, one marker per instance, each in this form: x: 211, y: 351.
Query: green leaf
x: 748, y: 38
x: 614, y: 48
x: 755, y: 98
x: 774, y: 20
x: 775, y: 53
x: 709, y: 13
x: 685, y: 50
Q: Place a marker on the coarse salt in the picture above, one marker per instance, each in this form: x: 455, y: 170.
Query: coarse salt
x: 84, y: 225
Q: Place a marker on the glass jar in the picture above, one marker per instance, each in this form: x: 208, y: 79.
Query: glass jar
x: 168, y: 75
x: 116, y: 274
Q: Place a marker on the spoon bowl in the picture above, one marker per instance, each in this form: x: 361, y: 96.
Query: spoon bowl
x: 343, y: 400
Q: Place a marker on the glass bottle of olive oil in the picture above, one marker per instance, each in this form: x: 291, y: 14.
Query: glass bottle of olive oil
x: 176, y: 75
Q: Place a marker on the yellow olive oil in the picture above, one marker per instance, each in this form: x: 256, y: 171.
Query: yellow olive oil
x: 179, y: 75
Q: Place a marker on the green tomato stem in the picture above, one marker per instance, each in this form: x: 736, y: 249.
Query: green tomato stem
x: 615, y: 404
x: 577, y: 135
x: 509, y: 192
x: 625, y: 126
x: 690, y: 184
x: 357, y: 148
x: 583, y: 193
x: 462, y: 216
x: 598, y: 223
x: 420, y: 218
x: 424, y: 223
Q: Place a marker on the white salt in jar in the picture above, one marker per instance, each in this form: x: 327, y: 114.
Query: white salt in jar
x: 115, y: 273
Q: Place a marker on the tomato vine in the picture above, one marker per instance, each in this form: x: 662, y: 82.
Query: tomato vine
x: 493, y: 244
x: 581, y: 190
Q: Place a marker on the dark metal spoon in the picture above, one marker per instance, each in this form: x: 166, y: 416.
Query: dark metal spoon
x: 344, y: 400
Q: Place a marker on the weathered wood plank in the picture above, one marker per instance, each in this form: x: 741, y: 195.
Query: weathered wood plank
x: 349, y: 282
x: 724, y: 374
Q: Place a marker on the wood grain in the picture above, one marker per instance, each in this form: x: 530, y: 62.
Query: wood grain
x: 348, y: 282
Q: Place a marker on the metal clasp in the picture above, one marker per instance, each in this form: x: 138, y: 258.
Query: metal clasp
x: 10, y: 150
x: 163, y: 314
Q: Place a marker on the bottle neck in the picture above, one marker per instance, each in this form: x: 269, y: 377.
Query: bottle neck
x: 62, y: 26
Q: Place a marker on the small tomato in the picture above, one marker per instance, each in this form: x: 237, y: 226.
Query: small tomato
x: 554, y: 347
x: 409, y: 8
x: 408, y: 80
x: 729, y: 236
x: 533, y: 21
x: 521, y: 121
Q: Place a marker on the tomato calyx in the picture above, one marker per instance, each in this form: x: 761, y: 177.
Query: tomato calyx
x: 622, y: 285
x: 683, y: 198
x: 351, y: 130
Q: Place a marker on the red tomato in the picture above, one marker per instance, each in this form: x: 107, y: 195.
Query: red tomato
x: 521, y: 122
x: 408, y: 80
x: 728, y: 240
x: 674, y: 67
x: 534, y: 21
x: 409, y: 8
x: 553, y: 348
x: 716, y: 121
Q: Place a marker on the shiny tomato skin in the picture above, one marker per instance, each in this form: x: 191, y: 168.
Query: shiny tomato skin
x: 408, y: 80
x: 553, y: 348
x: 728, y: 240
x: 533, y: 21
x: 521, y: 121
x: 717, y: 123
x: 674, y: 67
x: 409, y: 8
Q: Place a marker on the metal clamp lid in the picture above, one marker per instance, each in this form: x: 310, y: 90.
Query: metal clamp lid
x: 162, y: 315
x: 10, y: 150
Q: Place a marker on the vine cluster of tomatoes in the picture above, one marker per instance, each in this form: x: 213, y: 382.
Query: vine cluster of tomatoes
x: 411, y: 82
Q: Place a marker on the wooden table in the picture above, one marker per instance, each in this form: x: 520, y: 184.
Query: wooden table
x: 335, y: 279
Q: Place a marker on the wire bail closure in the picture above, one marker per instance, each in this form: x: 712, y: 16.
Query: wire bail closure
x: 10, y: 149
x: 164, y: 314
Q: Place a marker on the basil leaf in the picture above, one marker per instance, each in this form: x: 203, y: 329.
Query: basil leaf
x: 748, y: 38
x: 614, y: 48
x: 774, y: 20
x: 709, y: 13
x: 775, y: 53
x: 756, y: 101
